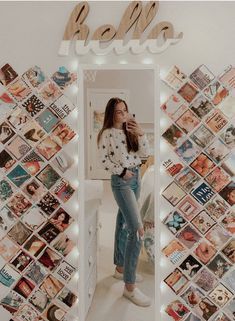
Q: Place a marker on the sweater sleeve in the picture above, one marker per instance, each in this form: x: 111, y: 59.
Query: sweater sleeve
x: 104, y: 156
x: 143, y: 146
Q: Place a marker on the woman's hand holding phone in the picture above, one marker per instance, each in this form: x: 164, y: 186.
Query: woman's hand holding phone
x: 133, y: 127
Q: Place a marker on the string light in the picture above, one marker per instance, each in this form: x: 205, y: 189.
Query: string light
x: 147, y: 61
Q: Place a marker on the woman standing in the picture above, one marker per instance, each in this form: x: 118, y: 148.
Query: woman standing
x: 121, y: 143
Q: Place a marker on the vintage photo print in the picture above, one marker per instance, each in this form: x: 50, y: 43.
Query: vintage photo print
x: 174, y: 221
x: 63, y: 245
x: 189, y: 207
x: 62, y: 134
x: 26, y: 313
x: 229, y: 222
x: 7, y: 219
x: 176, y: 310
x: 205, y: 280
x: 34, y: 190
x: 206, y: 309
x: 6, y: 161
x: 63, y: 78
x: 220, y: 295
x: 19, y: 233
x: 174, y: 107
x: 190, y: 266
x: 51, y: 286
x: 221, y: 317
x: 188, y: 91
x: 65, y: 271
x: 63, y: 190
x: 47, y: 120
x: 6, y: 190
x: 202, y: 136
x: 203, y: 222
x: 49, y: 92
x: 201, y: 106
x: 172, y: 166
x: 202, y: 164
x: 229, y: 165
x: 48, y: 148
x: 188, y: 236
x: 192, y: 317
x: 35, y: 76
x: 7, y: 105
x: 18, y: 204
x: 218, y: 236
x: 34, y: 245
x: 219, y: 266
x: 32, y: 133
x: 226, y: 104
x: 62, y: 107
x: 192, y: 296
x: 227, y: 77
x: 188, y: 151
x: 176, y: 281
x: 34, y: 218
x: 21, y: 261
x: 187, y: 179
x: 203, y: 193
x: 12, y: 302
x: 48, y: 176
x: 19, y: 90
x: 18, y: 118
x: 175, y: 251
x: 36, y: 272
x: 205, y: 252
x: 229, y: 251
x: 18, y: 176
x: 173, y: 135
x: 216, y: 121
x: 217, y: 207
x: 6, y: 132
x: 217, y: 151
x: 229, y: 279
x: 230, y: 309
x: 39, y: 300
x: 24, y: 287
x: 49, y: 232
x: 62, y: 161
x: 8, y: 276
x: 67, y: 297
x: 7, y: 74
x: 228, y: 136
x: 201, y: 77
x: 173, y: 193
x: 218, y: 179
x: 188, y: 121
x: 48, y: 204
x: 50, y: 259
x: 61, y: 219
x: 33, y: 105
x: 175, y: 78
x: 8, y: 248
x: 54, y: 313
x: 18, y: 147
x: 216, y: 92
x: 33, y: 163
x: 228, y: 193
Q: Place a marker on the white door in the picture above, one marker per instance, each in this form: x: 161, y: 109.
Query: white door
x: 96, y: 102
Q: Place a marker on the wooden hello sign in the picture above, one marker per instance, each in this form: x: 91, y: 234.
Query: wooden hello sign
x: 106, y: 38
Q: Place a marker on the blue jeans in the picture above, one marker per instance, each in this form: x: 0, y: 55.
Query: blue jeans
x: 127, y: 241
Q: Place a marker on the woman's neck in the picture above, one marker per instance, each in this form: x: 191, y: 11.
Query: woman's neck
x: 118, y: 125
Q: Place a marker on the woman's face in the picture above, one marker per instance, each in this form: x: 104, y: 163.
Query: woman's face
x: 61, y: 217
x: 229, y: 138
x: 231, y: 197
x: 120, y: 113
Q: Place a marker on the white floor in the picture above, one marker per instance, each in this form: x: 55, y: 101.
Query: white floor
x: 108, y: 303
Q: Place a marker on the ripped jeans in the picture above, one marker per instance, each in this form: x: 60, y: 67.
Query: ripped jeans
x: 127, y: 241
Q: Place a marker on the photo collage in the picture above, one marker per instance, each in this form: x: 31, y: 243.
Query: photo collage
x: 201, y: 193
x: 34, y: 244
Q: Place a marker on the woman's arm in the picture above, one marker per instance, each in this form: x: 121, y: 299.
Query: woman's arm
x: 143, y: 146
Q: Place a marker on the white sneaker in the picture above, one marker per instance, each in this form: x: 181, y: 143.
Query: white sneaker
x: 119, y: 276
x: 137, y: 297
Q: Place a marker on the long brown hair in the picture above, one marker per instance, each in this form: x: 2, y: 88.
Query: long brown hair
x: 131, y: 139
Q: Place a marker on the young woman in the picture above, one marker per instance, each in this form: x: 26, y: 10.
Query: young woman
x: 121, y: 143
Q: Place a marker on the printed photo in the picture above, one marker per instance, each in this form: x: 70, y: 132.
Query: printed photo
x: 35, y: 76
x: 48, y: 148
x: 7, y: 75
x: 173, y: 135
x: 201, y: 77
x: 175, y: 78
x: 18, y: 176
x: 206, y: 308
x: 63, y: 78
x: 227, y: 77
x: 32, y: 133
x: 216, y: 92
x: 225, y: 105
x: 34, y: 190
x: 62, y: 161
x: 19, y: 233
x: 67, y: 297
x: 205, y: 280
x: 173, y: 193
x: 8, y: 276
x: 189, y: 207
x: 176, y: 281
x: 18, y: 147
x: 7, y: 105
x: 6, y: 161
x: 33, y: 163
x: 220, y: 295
x: 54, y: 313
x: 229, y: 222
x: 230, y: 309
x: 65, y: 271
x: 61, y: 219
x: 175, y: 251
x: 218, y: 179
x: 21, y: 261
x: 188, y: 236
x: 202, y: 164
x: 192, y: 317
x: 202, y: 136
x: 48, y: 204
x: 33, y: 218
x: 190, y: 266
x: 188, y: 121
x: 172, y: 166
x: 8, y: 249
x: 229, y: 251
x: 18, y: 118
x: 49, y: 92
x: 63, y: 190
x: 62, y: 134
x: 50, y: 259
x: 217, y: 207
x: 174, y: 221
x: 33, y: 105
x: 203, y: 193
x: 174, y: 107
x: 228, y: 193
x: 24, y: 287
x: 229, y: 280
x: 218, y: 236
x: 221, y: 317
x: 12, y: 302
x: 63, y: 245
x: 216, y: 121
x: 51, y: 286
x: 201, y: 106
x: 19, y: 204
x: 188, y: 151
x: 47, y: 120
x: 187, y: 179
x: 26, y: 313
x: 49, y: 232
x: 192, y: 296
x: 36, y: 272
x: 203, y: 222
x: 205, y: 252
x: 6, y: 190
x: 217, y: 151
x: 19, y: 90
x: 62, y: 107
x: 39, y: 300
x: 188, y: 91
x: 6, y: 132
x: 177, y: 310
x: 48, y: 176
x: 7, y: 219
x: 219, y: 266
x: 229, y: 165
x: 228, y: 136
x: 34, y: 245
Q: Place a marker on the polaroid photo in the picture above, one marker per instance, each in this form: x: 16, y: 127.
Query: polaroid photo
x: 18, y: 118
x: 228, y: 193
x: 12, y: 302
x: 48, y: 176
x: 49, y: 92
x: 221, y: 317
x: 7, y: 219
x: 216, y: 121
x: 188, y: 121
x: 18, y: 147
x: 229, y: 251
x: 6, y: 132
x: 230, y: 309
x: 50, y: 259
x: 188, y: 236
x: 19, y: 233
x: 6, y: 161
x: 51, y: 286
x: 64, y: 191
x: 8, y: 276
x: 202, y: 136
x: 32, y: 133
x: 219, y: 266
x: 175, y: 251
x: 226, y: 104
x: 187, y: 151
x: 62, y: 134
x: 227, y: 77
x: 67, y: 297
x: 205, y: 252
x: 189, y: 207
x: 7, y: 74
x: 229, y: 222
x: 202, y: 164
x: 54, y: 313
x: 34, y: 246
x: 173, y: 193
x: 228, y: 136
x: 36, y: 272
x: 177, y: 310
x: 229, y: 279
x: 206, y: 309
x: 192, y: 296
x: 228, y: 165
x: 192, y: 317
x: 203, y: 222
x: 176, y: 281
x: 216, y: 92
x: 63, y: 245
x: 61, y: 219
x: 203, y: 193
x: 21, y: 261
x: 188, y: 91
x: 220, y: 295
x: 174, y: 107
x: 174, y: 221
x: 175, y: 78
x: 33, y: 163
x: 62, y: 106
x: 18, y: 204
x: 190, y: 266
x: 218, y: 236
x: 62, y: 161
x: 217, y: 207
x: 217, y: 151
x: 205, y: 280
x: 33, y: 105
x: 35, y: 76
x: 187, y: 179
x: 6, y: 190
x: 48, y: 204
x: 201, y: 106
x: 48, y: 148
x: 65, y: 271
x: 39, y: 300
x: 49, y: 232
x: 7, y: 105
x: 18, y: 176
x: 8, y: 249
x: 201, y: 77
x: 63, y: 77
x: 34, y: 218
x: 47, y: 120
x: 218, y: 179
x: 26, y: 313
x: 173, y: 135
x: 19, y: 90
x: 34, y: 190
x: 24, y: 287
x: 172, y: 166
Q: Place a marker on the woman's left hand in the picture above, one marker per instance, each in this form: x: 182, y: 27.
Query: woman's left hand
x: 134, y: 128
